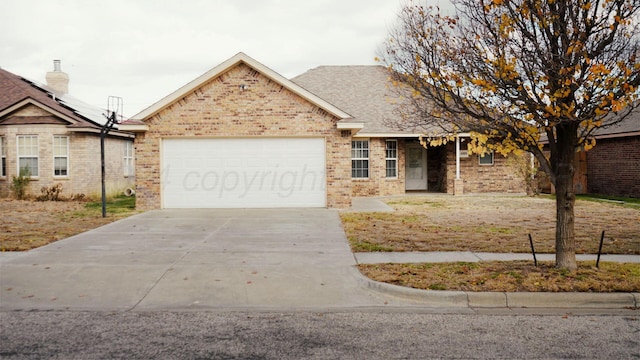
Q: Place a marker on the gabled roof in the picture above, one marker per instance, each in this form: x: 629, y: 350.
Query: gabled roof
x: 224, y: 67
x: 17, y: 92
x: 364, y: 91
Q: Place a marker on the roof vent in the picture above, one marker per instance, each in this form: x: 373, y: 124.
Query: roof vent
x: 57, y: 79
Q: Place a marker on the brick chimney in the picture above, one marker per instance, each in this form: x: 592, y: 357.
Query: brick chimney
x: 57, y: 79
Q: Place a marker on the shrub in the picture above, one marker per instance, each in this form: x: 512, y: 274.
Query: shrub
x: 78, y: 197
x: 19, y: 183
x: 50, y: 193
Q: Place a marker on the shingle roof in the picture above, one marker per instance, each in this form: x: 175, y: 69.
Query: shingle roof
x: 15, y: 89
x: 363, y: 91
x: 630, y: 126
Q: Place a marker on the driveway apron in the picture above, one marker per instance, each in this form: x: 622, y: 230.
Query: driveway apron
x: 193, y: 259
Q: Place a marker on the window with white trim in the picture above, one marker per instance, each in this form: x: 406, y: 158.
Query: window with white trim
x: 28, y: 154
x: 391, y: 158
x: 60, y: 155
x: 486, y: 159
x: 3, y: 158
x: 129, y: 169
x: 360, y: 159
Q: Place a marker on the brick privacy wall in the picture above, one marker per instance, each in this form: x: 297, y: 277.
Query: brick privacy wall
x: 219, y: 108
x: 377, y: 184
x: 84, y: 160
x: 498, y: 178
x: 613, y: 167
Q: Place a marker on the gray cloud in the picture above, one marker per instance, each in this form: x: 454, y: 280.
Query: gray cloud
x: 142, y: 50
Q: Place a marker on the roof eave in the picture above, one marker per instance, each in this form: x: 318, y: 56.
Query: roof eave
x: 135, y: 128
x: 346, y: 125
x: 117, y: 133
x: 399, y: 135
x: 34, y: 102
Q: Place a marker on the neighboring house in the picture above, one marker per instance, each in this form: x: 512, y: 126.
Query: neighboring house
x: 613, y: 165
x: 241, y: 135
x: 57, y: 138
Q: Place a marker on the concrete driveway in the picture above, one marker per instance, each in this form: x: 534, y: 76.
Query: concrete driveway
x: 193, y: 259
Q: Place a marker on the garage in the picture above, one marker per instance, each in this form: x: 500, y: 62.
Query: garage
x: 243, y: 172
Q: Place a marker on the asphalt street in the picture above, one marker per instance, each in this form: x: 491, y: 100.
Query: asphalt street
x: 315, y: 335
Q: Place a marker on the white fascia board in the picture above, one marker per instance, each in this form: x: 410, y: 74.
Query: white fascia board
x: 223, y: 67
x: 349, y: 125
x: 398, y: 135
x: 386, y: 135
x: 133, y: 128
x: 97, y: 131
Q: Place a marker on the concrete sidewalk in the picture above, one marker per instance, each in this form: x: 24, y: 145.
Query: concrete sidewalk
x: 468, y: 256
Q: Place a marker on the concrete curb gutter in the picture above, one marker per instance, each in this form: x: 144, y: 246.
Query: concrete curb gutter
x: 460, y: 299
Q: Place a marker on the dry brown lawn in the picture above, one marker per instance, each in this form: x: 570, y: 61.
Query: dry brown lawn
x: 30, y: 224
x: 490, y: 224
x: 508, y: 276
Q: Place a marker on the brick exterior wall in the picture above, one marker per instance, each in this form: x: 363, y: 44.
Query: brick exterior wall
x: 496, y: 178
x: 84, y: 175
x: 219, y: 108
x: 613, y: 167
x: 378, y: 184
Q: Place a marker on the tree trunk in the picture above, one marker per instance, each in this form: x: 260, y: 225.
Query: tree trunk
x: 565, y: 199
x: 565, y: 236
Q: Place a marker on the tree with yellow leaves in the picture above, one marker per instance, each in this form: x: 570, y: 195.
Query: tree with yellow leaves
x: 518, y: 74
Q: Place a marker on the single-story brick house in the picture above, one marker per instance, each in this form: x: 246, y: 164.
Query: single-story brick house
x: 613, y: 165
x: 242, y: 135
x: 57, y: 137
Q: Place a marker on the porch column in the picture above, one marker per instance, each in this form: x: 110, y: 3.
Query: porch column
x: 457, y: 157
x: 458, y: 183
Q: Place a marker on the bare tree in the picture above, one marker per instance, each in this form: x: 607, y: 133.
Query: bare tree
x: 522, y: 73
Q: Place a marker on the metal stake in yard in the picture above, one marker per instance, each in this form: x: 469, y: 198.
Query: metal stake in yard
x: 600, y: 249
x: 535, y: 261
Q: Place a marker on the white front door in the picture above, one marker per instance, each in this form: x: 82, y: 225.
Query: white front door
x: 416, y: 167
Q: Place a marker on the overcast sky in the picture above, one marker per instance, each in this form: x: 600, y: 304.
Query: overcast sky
x: 142, y: 50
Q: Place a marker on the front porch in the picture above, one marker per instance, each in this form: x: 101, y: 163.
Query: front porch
x: 398, y: 166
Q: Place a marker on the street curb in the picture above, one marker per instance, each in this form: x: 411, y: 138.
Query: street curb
x: 458, y: 299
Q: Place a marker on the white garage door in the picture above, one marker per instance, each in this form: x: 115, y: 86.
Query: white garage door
x: 243, y: 173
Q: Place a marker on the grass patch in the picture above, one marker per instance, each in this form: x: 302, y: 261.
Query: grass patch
x: 119, y: 204
x: 509, y: 276
x: 633, y: 203
x: 368, y: 247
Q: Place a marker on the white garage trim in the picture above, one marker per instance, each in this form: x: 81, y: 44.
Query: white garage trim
x: 243, y: 172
